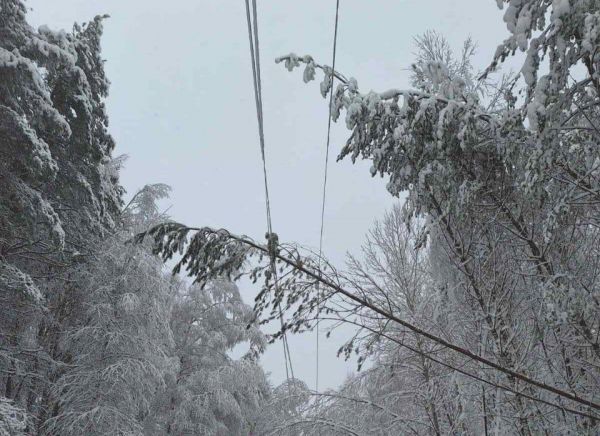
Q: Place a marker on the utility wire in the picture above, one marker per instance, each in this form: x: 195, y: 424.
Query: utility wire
x: 255, y: 58
x: 324, y: 197
x: 339, y: 289
x: 318, y: 276
x: 455, y: 367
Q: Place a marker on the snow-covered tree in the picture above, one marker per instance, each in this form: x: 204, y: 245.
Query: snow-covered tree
x: 502, y: 174
x: 14, y: 421
x: 209, y: 392
x: 95, y: 337
x: 118, y: 340
x: 57, y: 176
x: 509, y: 195
x: 59, y: 188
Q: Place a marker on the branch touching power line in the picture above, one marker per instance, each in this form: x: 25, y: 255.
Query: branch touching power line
x: 255, y: 58
x: 176, y: 234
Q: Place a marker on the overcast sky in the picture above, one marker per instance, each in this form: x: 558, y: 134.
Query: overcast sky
x: 181, y: 106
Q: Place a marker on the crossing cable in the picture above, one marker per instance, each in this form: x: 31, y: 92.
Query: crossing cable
x: 324, y: 197
x: 317, y: 275
x: 272, y: 238
x: 461, y: 370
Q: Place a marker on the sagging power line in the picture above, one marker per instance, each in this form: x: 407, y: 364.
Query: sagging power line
x: 324, y: 196
x: 255, y: 58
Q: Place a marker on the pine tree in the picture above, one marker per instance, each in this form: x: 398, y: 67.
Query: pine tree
x: 59, y: 189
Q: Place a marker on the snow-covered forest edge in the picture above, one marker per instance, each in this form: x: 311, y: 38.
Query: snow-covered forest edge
x: 475, y: 303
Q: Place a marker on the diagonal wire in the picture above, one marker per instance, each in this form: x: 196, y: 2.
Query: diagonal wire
x: 324, y: 197
x: 255, y: 58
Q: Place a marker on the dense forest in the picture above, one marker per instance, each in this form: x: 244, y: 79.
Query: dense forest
x: 474, y: 303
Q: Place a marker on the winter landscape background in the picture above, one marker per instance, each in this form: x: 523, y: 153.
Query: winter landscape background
x: 180, y: 80
x: 469, y: 298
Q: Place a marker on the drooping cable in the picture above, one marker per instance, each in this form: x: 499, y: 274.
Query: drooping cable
x: 255, y: 58
x: 324, y: 196
x: 368, y: 304
x: 336, y: 287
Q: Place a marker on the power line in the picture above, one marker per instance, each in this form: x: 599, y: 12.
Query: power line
x: 255, y: 58
x: 455, y: 367
x: 317, y: 275
x: 324, y: 197
x: 254, y: 51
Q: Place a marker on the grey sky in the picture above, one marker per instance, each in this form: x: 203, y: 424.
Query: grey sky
x: 182, y: 107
